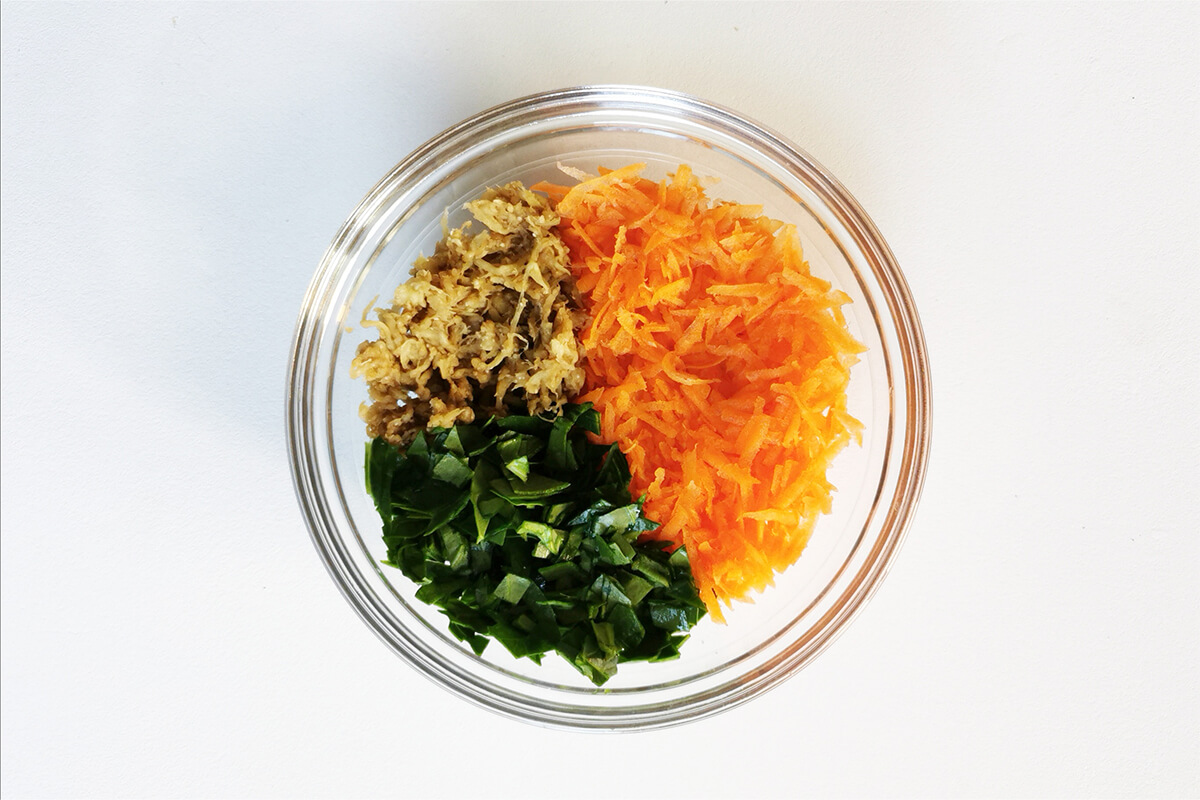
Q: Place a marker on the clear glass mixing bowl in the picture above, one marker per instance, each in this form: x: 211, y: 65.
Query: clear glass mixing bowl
x: 878, y: 483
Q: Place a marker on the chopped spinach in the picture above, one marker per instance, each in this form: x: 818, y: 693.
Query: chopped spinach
x: 523, y: 531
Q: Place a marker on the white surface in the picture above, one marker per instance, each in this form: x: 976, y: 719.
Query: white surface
x: 171, y: 177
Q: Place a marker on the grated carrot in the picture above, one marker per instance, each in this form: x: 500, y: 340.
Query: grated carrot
x: 718, y: 362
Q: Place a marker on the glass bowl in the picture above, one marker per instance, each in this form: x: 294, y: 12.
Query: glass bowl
x: 878, y: 483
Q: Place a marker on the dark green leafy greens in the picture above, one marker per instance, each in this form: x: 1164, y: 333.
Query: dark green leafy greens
x: 522, y: 530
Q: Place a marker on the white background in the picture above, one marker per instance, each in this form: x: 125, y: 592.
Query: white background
x: 171, y: 177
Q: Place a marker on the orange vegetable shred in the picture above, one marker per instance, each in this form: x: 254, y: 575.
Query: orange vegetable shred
x: 718, y: 362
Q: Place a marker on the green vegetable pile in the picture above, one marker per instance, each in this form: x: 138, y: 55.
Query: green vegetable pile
x: 524, y: 531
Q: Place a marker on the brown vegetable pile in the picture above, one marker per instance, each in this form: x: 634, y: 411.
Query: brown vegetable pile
x: 489, y: 321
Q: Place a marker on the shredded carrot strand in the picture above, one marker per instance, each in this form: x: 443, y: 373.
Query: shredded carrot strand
x: 718, y: 362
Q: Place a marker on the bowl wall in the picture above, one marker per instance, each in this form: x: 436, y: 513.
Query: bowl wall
x: 878, y: 482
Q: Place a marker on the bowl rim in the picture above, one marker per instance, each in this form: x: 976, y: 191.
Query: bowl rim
x: 911, y: 469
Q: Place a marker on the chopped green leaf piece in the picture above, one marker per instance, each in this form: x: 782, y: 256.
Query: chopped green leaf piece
x: 562, y: 571
x: 538, y: 486
x: 519, y: 445
x: 603, y: 666
x: 418, y: 451
x: 615, y: 469
x: 571, y: 548
x: 452, y: 469
x: 589, y: 420
x: 560, y: 457
x: 480, y: 478
x: 518, y: 468
x: 382, y: 462
x: 556, y: 512
x: 551, y: 537
x: 651, y: 569
x: 466, y: 440
x: 668, y: 617
x: 679, y: 560
x: 627, y: 631
x: 455, y: 548
x: 635, y: 588
x: 447, y: 511
x: 626, y: 547
x: 531, y: 492
x: 589, y: 515
x: 607, y: 591
x: 493, y: 506
x: 512, y: 588
x: 619, y: 519
x: 606, y: 637
x: 610, y: 553
x: 523, y: 424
